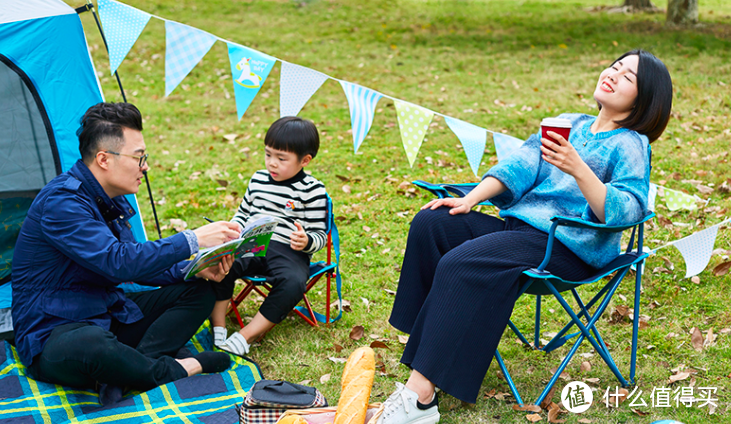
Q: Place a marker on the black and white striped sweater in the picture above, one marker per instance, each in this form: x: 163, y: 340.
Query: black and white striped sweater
x: 302, y: 198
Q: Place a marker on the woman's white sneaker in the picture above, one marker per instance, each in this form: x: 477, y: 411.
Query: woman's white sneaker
x: 403, y: 407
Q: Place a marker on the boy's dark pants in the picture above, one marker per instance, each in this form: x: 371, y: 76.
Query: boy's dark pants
x: 137, y: 355
x: 285, y: 269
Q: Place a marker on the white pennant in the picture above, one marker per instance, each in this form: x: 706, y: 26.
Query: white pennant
x: 697, y: 249
x: 297, y: 85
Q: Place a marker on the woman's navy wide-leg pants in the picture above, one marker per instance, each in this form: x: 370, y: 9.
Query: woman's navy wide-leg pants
x: 459, y: 282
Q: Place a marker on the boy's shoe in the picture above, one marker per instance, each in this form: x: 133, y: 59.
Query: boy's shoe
x: 403, y: 407
x: 236, y: 344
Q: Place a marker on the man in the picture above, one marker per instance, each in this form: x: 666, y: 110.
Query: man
x: 73, y: 325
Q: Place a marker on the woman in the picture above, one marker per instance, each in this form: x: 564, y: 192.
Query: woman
x: 460, y: 276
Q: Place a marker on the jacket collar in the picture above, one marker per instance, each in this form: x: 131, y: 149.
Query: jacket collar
x: 298, y: 177
x: 111, y: 209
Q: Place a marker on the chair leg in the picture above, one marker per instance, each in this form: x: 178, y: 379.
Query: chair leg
x: 636, y: 321
x: 537, y: 327
x: 508, y: 378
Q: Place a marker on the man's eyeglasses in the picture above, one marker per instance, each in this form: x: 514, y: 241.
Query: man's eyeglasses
x: 142, y: 159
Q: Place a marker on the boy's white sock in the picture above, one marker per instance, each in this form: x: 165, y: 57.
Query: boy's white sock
x: 219, y: 335
x: 236, y: 344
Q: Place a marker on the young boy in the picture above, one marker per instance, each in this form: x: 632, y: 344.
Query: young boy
x: 298, y: 202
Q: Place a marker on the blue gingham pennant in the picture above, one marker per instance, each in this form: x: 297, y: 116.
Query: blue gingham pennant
x: 697, y: 249
x: 185, y: 47
x: 651, y: 196
x: 362, y: 103
x: 298, y: 84
x: 505, y: 145
x: 122, y: 26
x: 473, y: 139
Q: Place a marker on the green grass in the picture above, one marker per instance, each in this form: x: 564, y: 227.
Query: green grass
x: 497, y: 64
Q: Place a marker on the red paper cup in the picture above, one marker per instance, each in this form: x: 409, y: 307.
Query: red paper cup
x: 558, y: 125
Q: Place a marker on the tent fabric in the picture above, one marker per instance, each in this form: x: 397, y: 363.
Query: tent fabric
x: 207, y: 398
x: 47, y: 82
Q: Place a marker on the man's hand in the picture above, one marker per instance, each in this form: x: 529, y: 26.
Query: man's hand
x: 298, y: 240
x: 458, y: 205
x: 218, y: 272
x: 216, y: 233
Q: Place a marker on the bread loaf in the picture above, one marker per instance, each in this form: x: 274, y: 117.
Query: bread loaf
x: 292, y: 419
x: 356, y: 387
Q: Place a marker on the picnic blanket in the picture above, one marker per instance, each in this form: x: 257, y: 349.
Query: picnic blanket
x: 206, y: 398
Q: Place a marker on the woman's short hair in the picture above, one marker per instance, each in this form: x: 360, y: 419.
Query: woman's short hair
x: 293, y: 134
x: 651, y: 111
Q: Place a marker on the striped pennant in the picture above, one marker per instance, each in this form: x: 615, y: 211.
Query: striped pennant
x: 122, y: 26
x: 473, y: 139
x: 186, y: 46
x: 297, y: 85
x: 505, y: 145
x: 362, y: 102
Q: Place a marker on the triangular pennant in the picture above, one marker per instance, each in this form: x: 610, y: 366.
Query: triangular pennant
x: 651, y: 195
x: 505, y: 145
x: 473, y: 140
x: 186, y: 46
x: 679, y: 200
x: 297, y: 85
x: 122, y: 26
x: 413, y: 122
x: 697, y: 249
x: 249, y: 69
x: 362, y: 103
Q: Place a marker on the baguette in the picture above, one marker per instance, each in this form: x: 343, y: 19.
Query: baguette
x: 356, y: 387
x: 292, y: 419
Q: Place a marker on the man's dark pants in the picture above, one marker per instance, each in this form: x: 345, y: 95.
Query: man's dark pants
x: 138, y: 355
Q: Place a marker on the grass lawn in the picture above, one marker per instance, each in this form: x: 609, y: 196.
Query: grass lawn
x: 501, y: 65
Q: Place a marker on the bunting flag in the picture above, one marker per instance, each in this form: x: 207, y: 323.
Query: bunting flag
x: 679, y: 200
x: 297, y: 85
x: 362, y: 103
x: 186, y: 46
x: 651, y: 195
x: 697, y: 249
x: 473, y: 139
x: 249, y: 69
x: 413, y: 122
x: 122, y: 26
x: 505, y: 144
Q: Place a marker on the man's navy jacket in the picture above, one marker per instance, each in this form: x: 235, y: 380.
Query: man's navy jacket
x: 74, y: 247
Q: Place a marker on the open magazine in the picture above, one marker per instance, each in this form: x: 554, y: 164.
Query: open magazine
x: 253, y: 241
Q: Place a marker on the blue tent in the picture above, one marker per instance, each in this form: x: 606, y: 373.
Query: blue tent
x: 47, y: 81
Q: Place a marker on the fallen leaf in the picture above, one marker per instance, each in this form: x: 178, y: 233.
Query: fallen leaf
x: 527, y: 408
x: 305, y: 382
x: 357, y: 332
x: 553, y: 415
x: 403, y: 339
x: 378, y: 345
x: 710, y: 338
x: 338, y: 360
x: 230, y: 137
x: 679, y: 376
x: 547, y: 401
x: 346, y: 188
x: 366, y: 228
x: 584, y: 421
x: 697, y: 339
x: 695, y: 279
x: 391, y: 292
x: 374, y: 336
x: 533, y: 418
x: 585, y: 366
x: 337, y: 348
x: 490, y: 394
x: 325, y: 378
x: 721, y: 269
x: 638, y: 412
x: 222, y: 183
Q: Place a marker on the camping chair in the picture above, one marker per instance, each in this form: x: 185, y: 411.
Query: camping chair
x: 539, y: 282
x: 327, y: 268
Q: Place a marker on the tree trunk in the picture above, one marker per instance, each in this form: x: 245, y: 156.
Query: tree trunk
x: 682, y: 12
x: 638, y: 4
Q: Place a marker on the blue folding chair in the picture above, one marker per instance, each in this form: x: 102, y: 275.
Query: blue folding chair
x: 328, y: 269
x: 539, y: 282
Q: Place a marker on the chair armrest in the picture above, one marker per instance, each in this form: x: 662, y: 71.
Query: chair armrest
x: 580, y: 223
x: 443, y: 191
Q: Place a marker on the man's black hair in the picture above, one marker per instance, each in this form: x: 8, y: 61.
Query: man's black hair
x: 654, y: 102
x: 293, y: 134
x: 102, y: 127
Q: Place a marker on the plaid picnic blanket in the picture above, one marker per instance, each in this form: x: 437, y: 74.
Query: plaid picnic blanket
x: 207, y: 398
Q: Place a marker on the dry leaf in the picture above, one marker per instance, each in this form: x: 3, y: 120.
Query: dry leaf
x: 695, y: 279
x: 553, y: 415
x: 366, y: 228
x: 533, y: 418
x: 527, y: 408
x: 721, y: 269
x: 679, y: 376
x: 585, y: 421
x: 337, y: 347
x: 403, y: 339
x: 391, y: 292
x: 697, y: 339
x: 230, y: 137
x: 623, y: 393
x: 378, y: 344
x: 346, y: 188
x: 325, y: 378
x: 585, y: 366
x: 338, y: 360
x: 357, y: 332
x: 638, y: 412
x: 305, y: 382
x: 710, y: 338
x: 547, y: 401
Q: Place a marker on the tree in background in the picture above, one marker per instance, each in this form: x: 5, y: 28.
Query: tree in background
x: 682, y: 12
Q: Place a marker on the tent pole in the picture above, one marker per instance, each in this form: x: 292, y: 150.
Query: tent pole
x: 152, y: 202
x: 90, y: 7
